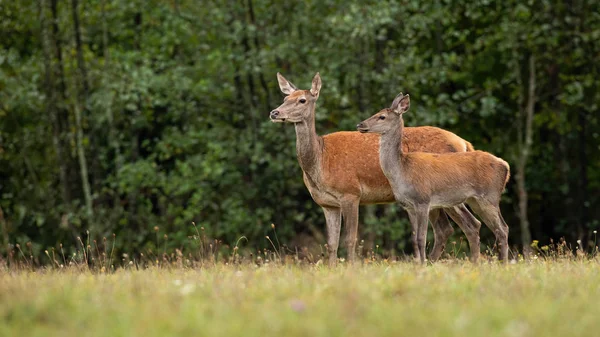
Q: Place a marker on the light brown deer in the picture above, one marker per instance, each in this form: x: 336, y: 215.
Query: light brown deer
x: 341, y: 170
x: 424, y: 181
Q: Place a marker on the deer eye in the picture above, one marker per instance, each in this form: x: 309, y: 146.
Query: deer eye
x: 382, y: 117
x: 302, y: 100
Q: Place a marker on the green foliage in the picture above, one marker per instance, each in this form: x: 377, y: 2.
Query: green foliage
x: 175, y: 116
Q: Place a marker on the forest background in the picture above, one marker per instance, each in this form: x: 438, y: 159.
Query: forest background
x: 140, y: 118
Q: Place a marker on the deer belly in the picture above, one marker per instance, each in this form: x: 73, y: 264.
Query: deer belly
x: 451, y: 198
x: 377, y: 195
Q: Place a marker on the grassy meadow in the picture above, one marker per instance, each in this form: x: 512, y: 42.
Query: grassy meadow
x: 539, y: 297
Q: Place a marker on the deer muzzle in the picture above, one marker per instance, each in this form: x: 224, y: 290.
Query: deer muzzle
x: 361, y: 127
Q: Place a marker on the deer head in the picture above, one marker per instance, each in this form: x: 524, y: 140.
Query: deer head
x: 386, y: 119
x: 298, y: 105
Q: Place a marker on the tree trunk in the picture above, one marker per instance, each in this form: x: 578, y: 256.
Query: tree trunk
x: 51, y: 97
x: 83, y: 162
x: 525, y: 142
x: 583, y: 181
x: 582, y: 156
x: 55, y: 37
x: 65, y: 135
x: 112, y: 130
x: 261, y: 77
x: 80, y: 96
x: 132, y: 197
x: 5, y: 241
x: 78, y: 48
x: 250, y: 79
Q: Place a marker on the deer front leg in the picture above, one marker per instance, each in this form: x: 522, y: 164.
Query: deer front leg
x: 333, y: 220
x: 442, y: 229
x: 413, y: 235
x: 418, y: 218
x: 350, y: 218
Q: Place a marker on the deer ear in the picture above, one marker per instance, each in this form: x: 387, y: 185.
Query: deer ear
x: 396, y: 101
x: 402, y: 105
x: 286, y: 86
x: 316, y: 85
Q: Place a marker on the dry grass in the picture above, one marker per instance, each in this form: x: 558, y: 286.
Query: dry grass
x: 544, y: 297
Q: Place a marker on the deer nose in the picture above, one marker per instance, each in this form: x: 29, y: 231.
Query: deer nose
x: 360, y: 125
x: 274, y: 113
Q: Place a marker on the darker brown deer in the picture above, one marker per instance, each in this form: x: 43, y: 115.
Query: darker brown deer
x: 341, y: 171
x: 425, y: 181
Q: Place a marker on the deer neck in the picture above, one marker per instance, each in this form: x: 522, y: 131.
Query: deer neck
x: 309, y: 146
x: 390, y: 153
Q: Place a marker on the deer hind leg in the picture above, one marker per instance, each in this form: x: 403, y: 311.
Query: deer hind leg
x: 419, y: 220
x: 490, y: 213
x: 469, y: 225
x: 333, y: 218
x: 350, y: 218
x: 442, y: 229
x: 504, y: 247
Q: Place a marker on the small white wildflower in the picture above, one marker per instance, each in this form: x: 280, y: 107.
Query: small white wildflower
x: 187, y: 289
x: 595, y: 232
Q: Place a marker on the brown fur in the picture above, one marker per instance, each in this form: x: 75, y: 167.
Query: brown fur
x: 430, y: 173
x: 341, y: 170
x: 430, y: 181
x: 469, y: 146
x: 297, y: 94
x: 424, y: 181
x: 351, y: 160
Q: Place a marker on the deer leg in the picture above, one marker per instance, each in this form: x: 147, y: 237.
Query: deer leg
x: 423, y: 218
x: 413, y: 235
x: 490, y: 213
x: 350, y: 218
x: 419, y: 218
x: 502, y: 230
x: 442, y: 229
x: 469, y: 225
x: 333, y: 219
x: 504, y: 237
